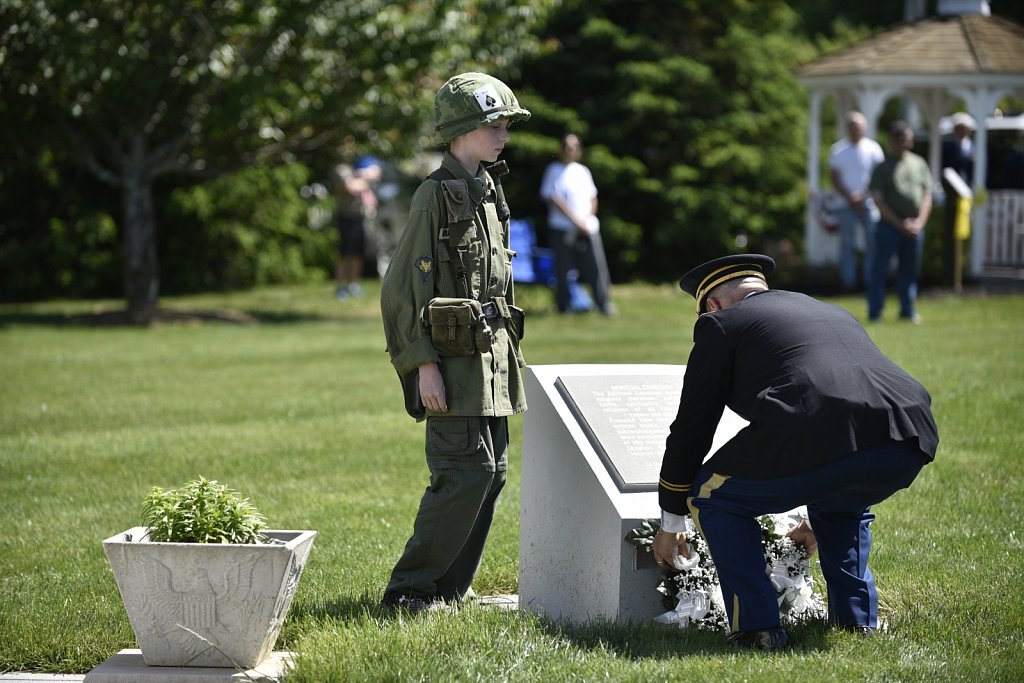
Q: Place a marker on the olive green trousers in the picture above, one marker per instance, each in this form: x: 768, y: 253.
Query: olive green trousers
x: 468, y: 459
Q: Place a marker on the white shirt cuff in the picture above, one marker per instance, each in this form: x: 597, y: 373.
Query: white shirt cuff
x: 671, y: 523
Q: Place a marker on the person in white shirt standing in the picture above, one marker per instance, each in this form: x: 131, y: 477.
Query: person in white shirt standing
x: 569, y: 191
x: 851, y: 162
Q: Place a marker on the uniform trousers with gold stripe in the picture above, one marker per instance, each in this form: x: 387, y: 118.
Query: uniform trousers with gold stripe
x: 838, y: 495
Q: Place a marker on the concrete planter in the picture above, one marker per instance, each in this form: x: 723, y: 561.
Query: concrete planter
x: 207, y: 604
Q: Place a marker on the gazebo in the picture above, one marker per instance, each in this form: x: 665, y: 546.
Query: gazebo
x: 964, y: 54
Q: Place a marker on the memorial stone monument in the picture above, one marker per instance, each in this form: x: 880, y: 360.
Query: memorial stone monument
x: 593, y: 441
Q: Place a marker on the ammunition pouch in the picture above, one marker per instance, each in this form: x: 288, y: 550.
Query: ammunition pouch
x: 458, y: 327
x: 456, y: 201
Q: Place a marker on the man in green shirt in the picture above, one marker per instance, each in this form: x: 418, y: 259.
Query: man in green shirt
x: 901, y: 187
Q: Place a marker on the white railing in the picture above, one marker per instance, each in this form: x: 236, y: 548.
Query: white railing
x: 1004, y: 220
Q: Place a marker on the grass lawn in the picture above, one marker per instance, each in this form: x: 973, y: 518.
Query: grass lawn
x: 298, y: 407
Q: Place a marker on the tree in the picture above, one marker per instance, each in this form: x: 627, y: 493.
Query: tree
x: 693, y: 120
x: 186, y: 90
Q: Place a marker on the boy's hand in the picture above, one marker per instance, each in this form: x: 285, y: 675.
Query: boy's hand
x: 432, y: 388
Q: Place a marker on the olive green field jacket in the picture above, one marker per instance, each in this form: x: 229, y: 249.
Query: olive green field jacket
x: 425, y: 265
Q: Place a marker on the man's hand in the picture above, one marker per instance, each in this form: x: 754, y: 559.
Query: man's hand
x: 911, y: 227
x: 666, y: 546
x: 803, y: 534
x: 432, y: 388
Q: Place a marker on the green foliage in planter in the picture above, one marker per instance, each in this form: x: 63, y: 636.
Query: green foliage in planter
x: 201, y: 511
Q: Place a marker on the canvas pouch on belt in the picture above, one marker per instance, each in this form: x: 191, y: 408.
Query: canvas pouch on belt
x: 458, y: 327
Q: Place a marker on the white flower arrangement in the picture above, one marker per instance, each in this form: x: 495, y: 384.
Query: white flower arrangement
x: 693, y: 596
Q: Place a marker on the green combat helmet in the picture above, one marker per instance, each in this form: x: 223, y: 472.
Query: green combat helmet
x: 471, y: 100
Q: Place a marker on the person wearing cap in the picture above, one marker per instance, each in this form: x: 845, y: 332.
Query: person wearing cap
x: 850, y: 163
x: 958, y: 152
x: 455, y: 249
x: 902, y: 188
x: 833, y: 425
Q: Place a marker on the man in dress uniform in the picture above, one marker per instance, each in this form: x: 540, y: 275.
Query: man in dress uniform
x: 834, y: 425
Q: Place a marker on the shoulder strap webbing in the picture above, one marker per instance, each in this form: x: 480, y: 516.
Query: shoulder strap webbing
x: 442, y: 238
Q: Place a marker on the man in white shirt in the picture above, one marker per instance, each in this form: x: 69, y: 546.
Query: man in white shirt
x: 569, y: 191
x: 850, y: 163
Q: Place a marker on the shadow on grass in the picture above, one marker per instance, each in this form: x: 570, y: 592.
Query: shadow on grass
x: 162, y: 316
x: 637, y: 641
x: 648, y: 640
x: 343, y: 609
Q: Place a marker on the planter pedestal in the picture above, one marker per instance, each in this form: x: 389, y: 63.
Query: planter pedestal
x: 205, y: 604
x: 127, y: 666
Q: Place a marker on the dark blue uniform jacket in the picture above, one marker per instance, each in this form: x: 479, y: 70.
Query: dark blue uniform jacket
x: 807, y: 377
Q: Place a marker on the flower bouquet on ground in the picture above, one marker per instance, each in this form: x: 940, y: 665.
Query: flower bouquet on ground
x: 693, y: 595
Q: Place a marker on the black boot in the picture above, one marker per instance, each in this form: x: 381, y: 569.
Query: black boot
x: 761, y: 639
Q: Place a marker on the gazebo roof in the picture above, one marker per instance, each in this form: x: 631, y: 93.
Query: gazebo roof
x: 960, y: 45
x: 964, y: 59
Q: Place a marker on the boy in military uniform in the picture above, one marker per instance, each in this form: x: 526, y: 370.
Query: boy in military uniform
x: 453, y: 335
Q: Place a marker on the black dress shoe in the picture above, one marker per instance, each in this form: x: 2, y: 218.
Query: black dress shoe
x: 761, y: 639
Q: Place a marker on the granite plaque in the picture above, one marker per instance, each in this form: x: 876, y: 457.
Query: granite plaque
x: 626, y: 419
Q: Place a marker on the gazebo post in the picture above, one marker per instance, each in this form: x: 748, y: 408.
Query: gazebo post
x: 934, y: 103
x: 845, y: 101
x: 871, y: 102
x: 811, y: 233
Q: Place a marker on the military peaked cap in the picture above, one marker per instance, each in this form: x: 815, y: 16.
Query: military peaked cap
x: 701, y: 280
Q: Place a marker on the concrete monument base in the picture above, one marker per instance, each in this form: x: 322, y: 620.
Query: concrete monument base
x: 593, y: 441
x: 127, y: 666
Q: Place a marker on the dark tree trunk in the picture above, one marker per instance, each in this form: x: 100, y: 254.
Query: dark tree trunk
x: 141, y: 278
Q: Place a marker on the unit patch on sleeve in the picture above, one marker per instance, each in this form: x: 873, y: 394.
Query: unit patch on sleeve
x: 425, y: 265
